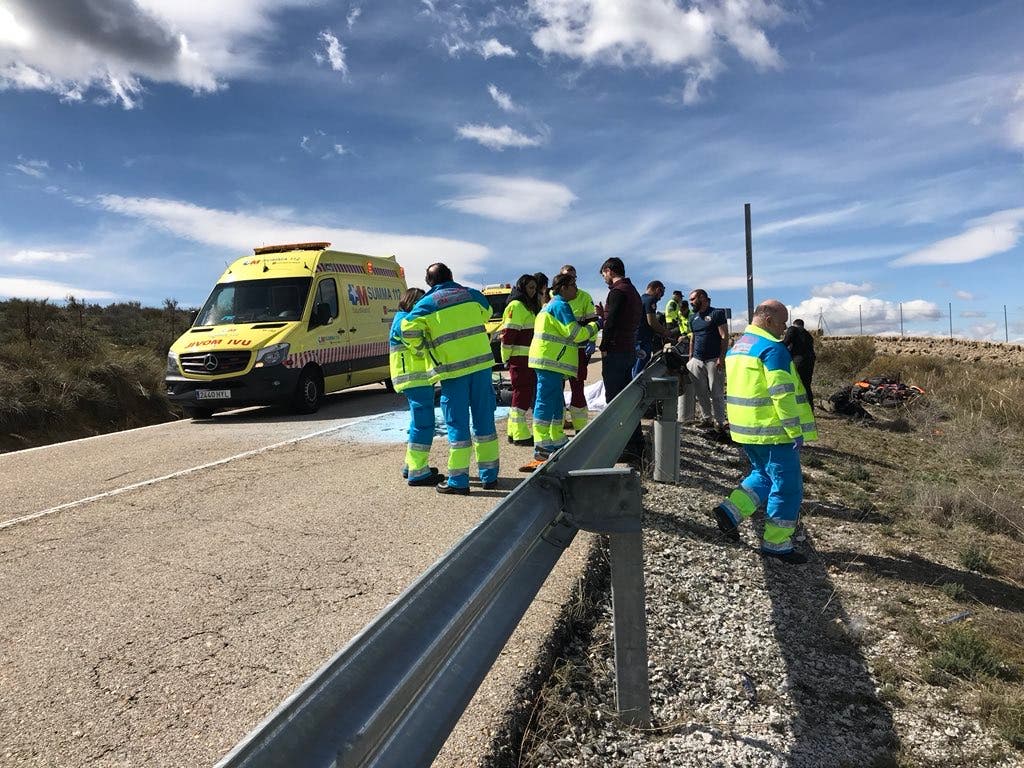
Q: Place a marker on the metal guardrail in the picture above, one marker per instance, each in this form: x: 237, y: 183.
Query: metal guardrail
x: 394, y: 693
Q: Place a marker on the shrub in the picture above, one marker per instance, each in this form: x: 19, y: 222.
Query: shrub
x: 964, y: 653
x: 840, y: 361
x: 974, y: 558
x: 1002, y: 707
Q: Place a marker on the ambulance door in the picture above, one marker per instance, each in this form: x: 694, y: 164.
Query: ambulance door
x: 331, y: 340
x: 372, y: 303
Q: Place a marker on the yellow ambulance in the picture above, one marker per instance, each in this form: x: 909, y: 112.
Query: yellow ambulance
x: 285, y: 326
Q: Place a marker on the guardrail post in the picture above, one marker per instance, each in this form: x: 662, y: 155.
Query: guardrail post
x: 608, y: 501
x: 666, y: 431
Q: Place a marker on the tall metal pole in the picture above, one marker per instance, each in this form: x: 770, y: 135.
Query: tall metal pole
x: 901, y: 318
x: 1006, y: 324
x: 951, y: 319
x: 750, y: 265
x: 860, y: 312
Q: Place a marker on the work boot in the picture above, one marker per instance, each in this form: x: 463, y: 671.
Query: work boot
x: 725, y: 524
x: 489, y: 486
x: 451, y: 489
x: 427, y: 480
x: 530, y: 466
x: 790, y: 558
x: 525, y: 441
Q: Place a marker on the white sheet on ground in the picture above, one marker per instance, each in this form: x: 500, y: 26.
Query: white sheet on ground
x: 594, y: 394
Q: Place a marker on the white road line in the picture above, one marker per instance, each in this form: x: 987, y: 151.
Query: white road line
x: 23, y: 451
x: 182, y: 472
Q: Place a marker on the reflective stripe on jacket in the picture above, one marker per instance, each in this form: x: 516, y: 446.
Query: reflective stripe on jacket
x: 447, y: 327
x: 407, y: 369
x: 516, y: 332
x: 556, y: 338
x: 766, y: 401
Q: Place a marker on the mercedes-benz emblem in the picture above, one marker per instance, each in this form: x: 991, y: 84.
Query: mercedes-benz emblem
x: 210, y: 362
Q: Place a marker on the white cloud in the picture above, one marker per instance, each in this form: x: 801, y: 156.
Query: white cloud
x: 660, y: 33
x: 810, y: 221
x: 847, y: 314
x: 334, y: 52
x: 113, y: 47
x: 510, y: 198
x: 34, y: 288
x: 498, y: 137
x: 353, y: 15
x: 241, y: 231
x: 703, y: 269
x: 972, y: 313
x: 38, y: 257
x: 964, y: 295
x: 339, y: 149
x: 35, y: 168
x: 502, y: 99
x: 984, y: 237
x: 491, y: 48
x: 839, y: 288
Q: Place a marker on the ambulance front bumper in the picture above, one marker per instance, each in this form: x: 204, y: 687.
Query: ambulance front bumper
x: 261, y: 386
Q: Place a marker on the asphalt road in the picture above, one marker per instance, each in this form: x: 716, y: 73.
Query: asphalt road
x: 165, y: 588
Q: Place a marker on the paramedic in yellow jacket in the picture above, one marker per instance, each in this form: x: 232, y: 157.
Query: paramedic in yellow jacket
x: 554, y: 356
x: 447, y: 327
x: 411, y: 376
x: 770, y: 417
x: 516, y: 336
x: 584, y: 311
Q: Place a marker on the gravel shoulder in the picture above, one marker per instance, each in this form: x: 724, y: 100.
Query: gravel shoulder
x: 755, y: 663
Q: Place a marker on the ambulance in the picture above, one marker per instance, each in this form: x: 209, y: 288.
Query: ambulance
x: 286, y: 326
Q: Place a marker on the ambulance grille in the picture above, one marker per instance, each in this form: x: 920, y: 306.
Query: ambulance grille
x: 202, y: 363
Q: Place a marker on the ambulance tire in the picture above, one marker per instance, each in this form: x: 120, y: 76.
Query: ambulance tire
x: 197, y: 414
x: 309, y: 393
x: 389, y: 385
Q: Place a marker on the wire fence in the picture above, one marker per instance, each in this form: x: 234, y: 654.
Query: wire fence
x: 876, y: 317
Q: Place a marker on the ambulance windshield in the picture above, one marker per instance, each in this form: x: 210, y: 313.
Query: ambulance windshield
x: 278, y: 300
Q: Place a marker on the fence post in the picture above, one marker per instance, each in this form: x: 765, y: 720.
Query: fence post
x: 951, y: 319
x: 860, y: 314
x: 901, y: 318
x: 609, y: 501
x: 666, y: 431
x: 1006, y: 325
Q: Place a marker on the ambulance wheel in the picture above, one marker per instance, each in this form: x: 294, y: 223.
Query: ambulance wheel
x: 197, y: 414
x: 389, y: 385
x: 309, y: 393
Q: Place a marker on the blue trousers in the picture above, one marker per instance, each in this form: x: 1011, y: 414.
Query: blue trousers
x: 548, y: 410
x: 421, y: 430
x: 774, y: 481
x: 460, y: 397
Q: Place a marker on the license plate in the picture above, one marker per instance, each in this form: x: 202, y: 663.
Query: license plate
x: 213, y: 394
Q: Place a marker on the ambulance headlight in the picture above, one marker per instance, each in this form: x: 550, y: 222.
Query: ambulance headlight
x: 172, y: 364
x: 275, y: 354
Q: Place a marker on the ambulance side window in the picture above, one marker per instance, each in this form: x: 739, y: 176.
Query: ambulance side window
x: 327, y: 293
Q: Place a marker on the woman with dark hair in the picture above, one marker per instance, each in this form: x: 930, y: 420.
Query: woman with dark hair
x: 542, y: 288
x: 412, y: 376
x: 516, y: 335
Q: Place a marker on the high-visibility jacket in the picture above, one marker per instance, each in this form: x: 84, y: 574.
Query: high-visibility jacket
x: 447, y: 327
x: 766, y: 401
x: 556, y: 338
x: 683, y: 321
x: 672, y: 313
x: 407, y: 369
x: 583, y: 307
x: 516, y: 332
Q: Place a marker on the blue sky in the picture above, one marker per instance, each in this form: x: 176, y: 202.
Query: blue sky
x: 145, y: 143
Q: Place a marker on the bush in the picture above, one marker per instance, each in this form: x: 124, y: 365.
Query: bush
x: 1003, y: 708
x: 962, y: 652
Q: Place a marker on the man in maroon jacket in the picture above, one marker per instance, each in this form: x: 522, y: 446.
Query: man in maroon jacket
x: 622, y: 314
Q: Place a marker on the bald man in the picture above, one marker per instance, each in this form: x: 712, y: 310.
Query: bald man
x: 770, y: 417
